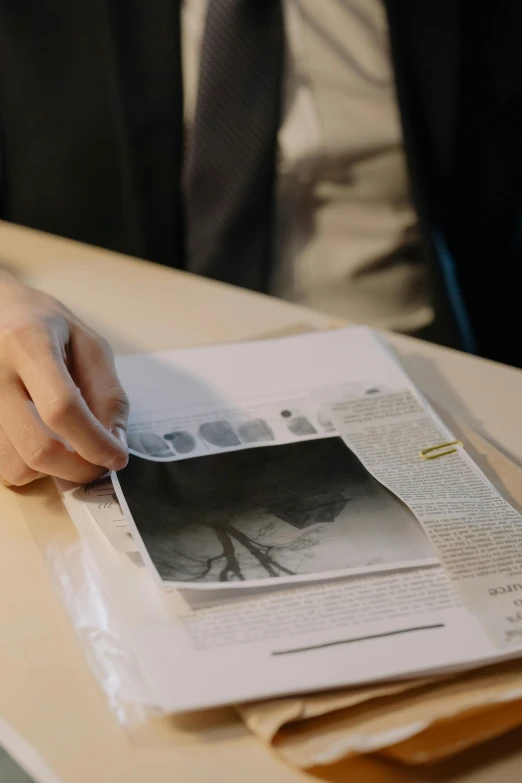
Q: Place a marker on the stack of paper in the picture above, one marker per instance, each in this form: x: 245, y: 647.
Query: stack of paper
x: 291, y: 522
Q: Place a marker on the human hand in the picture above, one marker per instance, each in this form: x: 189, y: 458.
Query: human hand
x: 63, y: 411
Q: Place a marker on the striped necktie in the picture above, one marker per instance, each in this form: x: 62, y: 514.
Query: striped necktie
x: 230, y: 167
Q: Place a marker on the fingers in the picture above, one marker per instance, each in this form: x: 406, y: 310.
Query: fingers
x: 30, y: 448
x: 13, y: 470
x: 94, y: 373
x: 62, y: 408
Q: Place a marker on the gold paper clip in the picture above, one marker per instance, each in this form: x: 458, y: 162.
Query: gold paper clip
x: 425, y: 452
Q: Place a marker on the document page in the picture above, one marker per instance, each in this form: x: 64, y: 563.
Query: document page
x: 477, y: 534
x: 269, y: 524
x: 237, y: 475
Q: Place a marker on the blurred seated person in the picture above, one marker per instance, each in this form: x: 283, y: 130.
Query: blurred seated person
x: 256, y: 142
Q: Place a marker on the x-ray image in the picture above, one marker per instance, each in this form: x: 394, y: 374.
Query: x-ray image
x: 267, y: 512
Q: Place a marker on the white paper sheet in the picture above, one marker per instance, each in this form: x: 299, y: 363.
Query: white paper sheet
x: 289, y: 509
x: 476, y: 532
x: 238, y: 646
x: 281, y: 641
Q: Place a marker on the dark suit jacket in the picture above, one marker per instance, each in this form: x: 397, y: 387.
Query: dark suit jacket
x: 91, y: 120
x: 91, y: 140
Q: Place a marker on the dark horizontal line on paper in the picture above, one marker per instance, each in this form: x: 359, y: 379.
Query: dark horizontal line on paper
x: 357, y: 639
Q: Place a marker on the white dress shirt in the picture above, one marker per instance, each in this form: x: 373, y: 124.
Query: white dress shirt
x: 345, y: 221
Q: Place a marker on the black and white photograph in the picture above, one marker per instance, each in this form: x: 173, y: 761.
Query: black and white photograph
x: 269, y: 512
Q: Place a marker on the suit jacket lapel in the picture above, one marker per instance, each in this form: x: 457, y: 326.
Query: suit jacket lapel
x: 67, y: 167
x: 425, y: 43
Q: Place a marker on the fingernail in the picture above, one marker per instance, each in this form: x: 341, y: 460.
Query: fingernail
x: 120, y: 433
x: 118, y: 463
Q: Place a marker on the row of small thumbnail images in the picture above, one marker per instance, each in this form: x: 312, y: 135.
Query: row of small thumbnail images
x: 220, y: 434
